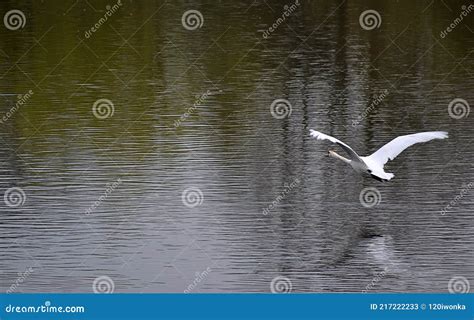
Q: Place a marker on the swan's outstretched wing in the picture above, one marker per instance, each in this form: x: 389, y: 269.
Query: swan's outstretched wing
x: 321, y: 136
x: 397, y: 145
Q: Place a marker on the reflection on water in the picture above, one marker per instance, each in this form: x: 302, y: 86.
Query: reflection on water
x: 183, y: 170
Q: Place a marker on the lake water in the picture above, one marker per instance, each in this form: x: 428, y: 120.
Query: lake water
x: 184, y: 179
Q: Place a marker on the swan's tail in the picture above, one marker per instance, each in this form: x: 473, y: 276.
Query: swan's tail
x: 389, y: 175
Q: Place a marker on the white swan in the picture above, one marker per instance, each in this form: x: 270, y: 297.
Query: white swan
x: 374, y: 163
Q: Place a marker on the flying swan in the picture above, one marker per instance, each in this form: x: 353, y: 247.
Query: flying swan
x: 374, y: 163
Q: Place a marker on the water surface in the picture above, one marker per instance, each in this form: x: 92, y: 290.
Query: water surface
x: 192, y: 112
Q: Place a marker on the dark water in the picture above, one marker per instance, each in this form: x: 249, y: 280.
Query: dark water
x: 103, y: 197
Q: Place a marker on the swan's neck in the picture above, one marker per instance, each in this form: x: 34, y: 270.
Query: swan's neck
x: 335, y: 155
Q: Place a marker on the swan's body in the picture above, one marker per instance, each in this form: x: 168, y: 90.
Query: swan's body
x: 374, y: 163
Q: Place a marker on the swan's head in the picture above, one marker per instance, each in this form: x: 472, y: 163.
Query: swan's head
x: 332, y: 154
